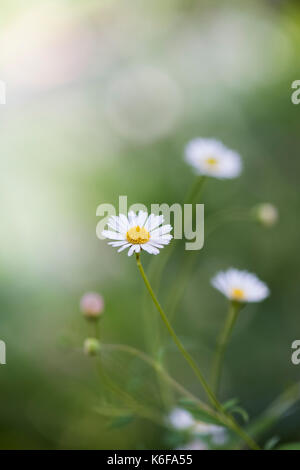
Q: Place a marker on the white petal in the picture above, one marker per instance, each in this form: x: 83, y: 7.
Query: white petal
x: 164, y: 240
x: 142, y: 216
x: 112, y: 235
x: 114, y: 244
x: 149, y: 222
x: 156, y: 245
x: 156, y: 221
x: 118, y: 223
x: 123, y: 247
x: 131, y: 250
x: 150, y: 249
x: 132, y: 219
x: 161, y: 230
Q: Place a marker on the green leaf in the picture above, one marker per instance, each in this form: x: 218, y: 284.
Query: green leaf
x: 198, y: 413
x: 271, y: 443
x: 121, y: 421
x: 230, y: 404
x: 289, y: 446
x: 239, y: 410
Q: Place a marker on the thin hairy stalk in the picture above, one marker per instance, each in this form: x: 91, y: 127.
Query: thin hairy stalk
x: 177, y: 386
x: 218, y: 362
x: 195, y: 190
x: 157, y: 366
x: 176, y: 340
x: 228, y: 420
x: 127, y: 399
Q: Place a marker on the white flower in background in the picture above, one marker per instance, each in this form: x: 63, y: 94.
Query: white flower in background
x: 211, y: 158
x: 181, y: 419
x: 218, y: 433
x: 195, y: 444
x: 138, y: 232
x: 240, y: 286
x: 266, y: 214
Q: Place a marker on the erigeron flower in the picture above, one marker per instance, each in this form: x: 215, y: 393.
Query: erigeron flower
x: 180, y: 419
x: 138, y: 232
x: 211, y: 158
x: 218, y: 433
x: 240, y: 286
x: 92, y: 305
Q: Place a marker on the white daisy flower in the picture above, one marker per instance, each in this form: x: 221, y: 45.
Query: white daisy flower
x: 240, y: 286
x: 210, y: 157
x: 218, y: 433
x: 181, y: 419
x: 138, y: 232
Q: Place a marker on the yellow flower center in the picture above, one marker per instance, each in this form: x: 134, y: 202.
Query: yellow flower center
x: 237, y: 294
x: 137, y: 235
x: 211, y: 161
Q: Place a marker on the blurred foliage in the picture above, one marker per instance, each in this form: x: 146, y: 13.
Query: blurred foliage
x: 102, y: 98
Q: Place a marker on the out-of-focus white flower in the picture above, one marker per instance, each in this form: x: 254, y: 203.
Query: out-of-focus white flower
x: 138, y: 232
x: 195, y: 444
x: 183, y: 420
x: 218, y: 433
x: 211, y: 158
x: 180, y: 419
x: 266, y: 214
x: 240, y: 286
x: 92, y: 304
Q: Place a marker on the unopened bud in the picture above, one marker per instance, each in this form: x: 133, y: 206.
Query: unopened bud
x: 266, y: 214
x: 91, y: 346
x: 92, y: 305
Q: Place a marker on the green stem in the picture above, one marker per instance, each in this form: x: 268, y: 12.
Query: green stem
x: 195, y: 191
x: 234, y: 310
x: 175, y: 338
x: 157, y: 366
x: 227, y: 419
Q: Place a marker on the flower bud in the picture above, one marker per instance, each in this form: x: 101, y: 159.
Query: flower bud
x: 266, y: 214
x: 91, y: 346
x: 92, y: 305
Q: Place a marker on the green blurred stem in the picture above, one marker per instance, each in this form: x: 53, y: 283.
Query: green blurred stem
x: 234, y: 310
x: 97, y: 328
x: 157, y: 366
x: 175, y: 338
x: 195, y: 190
x: 227, y: 419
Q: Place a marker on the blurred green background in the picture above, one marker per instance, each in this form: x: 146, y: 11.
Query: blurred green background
x: 102, y: 97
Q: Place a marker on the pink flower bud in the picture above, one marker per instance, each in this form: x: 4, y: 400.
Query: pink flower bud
x: 92, y: 305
